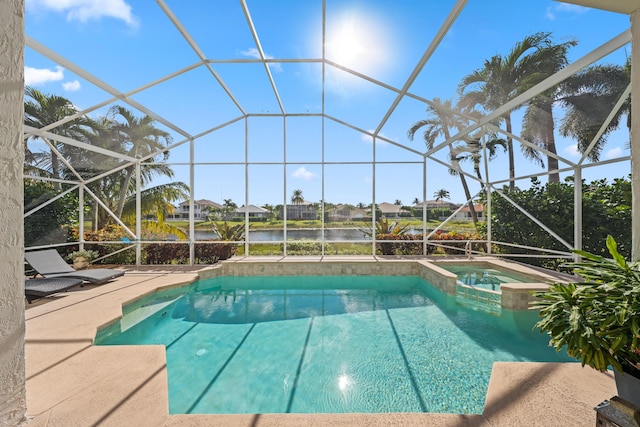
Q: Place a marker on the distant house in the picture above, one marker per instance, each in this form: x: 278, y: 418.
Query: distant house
x: 201, y: 209
x: 254, y: 211
x: 346, y: 213
x: 438, y: 204
x: 389, y: 210
x: 304, y: 210
x: 465, y: 213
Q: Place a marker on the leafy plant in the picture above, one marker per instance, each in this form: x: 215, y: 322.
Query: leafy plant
x: 86, y: 254
x: 383, y: 226
x: 228, y: 232
x: 599, y: 320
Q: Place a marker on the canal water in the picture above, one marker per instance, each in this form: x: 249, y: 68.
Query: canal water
x: 330, y: 234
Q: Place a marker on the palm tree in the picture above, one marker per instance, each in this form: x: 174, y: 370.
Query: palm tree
x: 472, y: 150
x: 397, y: 202
x: 501, y: 79
x: 416, y: 201
x: 442, y: 194
x: 41, y: 110
x: 538, y: 122
x: 441, y: 117
x: 157, y: 201
x: 588, y: 97
x: 272, y: 211
x: 229, y: 207
x: 296, y: 197
x: 138, y: 138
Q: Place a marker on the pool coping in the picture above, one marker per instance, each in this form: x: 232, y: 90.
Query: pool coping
x: 72, y: 382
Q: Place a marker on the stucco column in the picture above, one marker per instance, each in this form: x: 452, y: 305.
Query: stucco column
x: 635, y: 134
x: 12, y: 364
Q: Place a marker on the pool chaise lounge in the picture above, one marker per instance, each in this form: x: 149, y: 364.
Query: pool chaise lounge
x: 49, y: 264
x: 39, y: 288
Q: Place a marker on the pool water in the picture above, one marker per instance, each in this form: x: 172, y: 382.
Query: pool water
x: 485, y: 277
x: 325, y: 344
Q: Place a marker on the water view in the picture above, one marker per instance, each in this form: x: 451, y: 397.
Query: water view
x: 330, y: 234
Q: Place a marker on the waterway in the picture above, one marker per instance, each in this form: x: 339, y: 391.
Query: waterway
x: 330, y: 234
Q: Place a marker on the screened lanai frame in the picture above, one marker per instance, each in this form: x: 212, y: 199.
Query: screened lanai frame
x: 403, y: 92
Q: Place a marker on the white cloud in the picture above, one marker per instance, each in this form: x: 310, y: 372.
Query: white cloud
x: 71, y: 86
x: 87, y: 10
x: 614, y: 153
x: 303, y: 173
x: 252, y: 52
x: 564, y: 8
x: 572, y: 150
x: 571, y: 8
x: 39, y: 76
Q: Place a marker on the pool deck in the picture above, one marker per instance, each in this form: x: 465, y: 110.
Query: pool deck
x: 70, y: 382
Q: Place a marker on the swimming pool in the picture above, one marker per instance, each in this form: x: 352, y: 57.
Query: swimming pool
x: 485, y: 277
x: 330, y: 344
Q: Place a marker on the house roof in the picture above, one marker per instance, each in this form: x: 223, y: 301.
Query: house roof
x: 251, y: 209
x: 479, y: 208
x: 204, y: 202
x: 388, y: 207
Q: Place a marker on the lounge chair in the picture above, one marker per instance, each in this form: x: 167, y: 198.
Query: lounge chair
x: 38, y: 288
x: 49, y: 264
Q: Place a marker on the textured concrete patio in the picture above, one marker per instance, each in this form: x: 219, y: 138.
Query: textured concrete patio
x: 72, y: 383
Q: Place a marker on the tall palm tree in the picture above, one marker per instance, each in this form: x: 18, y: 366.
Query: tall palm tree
x: 416, y: 201
x: 538, y: 122
x: 41, y: 110
x: 588, y: 97
x: 502, y: 78
x: 471, y: 149
x: 138, y: 137
x: 441, y: 118
x: 296, y: 197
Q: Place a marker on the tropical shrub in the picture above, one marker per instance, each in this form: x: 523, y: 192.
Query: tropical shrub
x: 453, y: 242
x: 606, y: 210
x: 49, y: 224
x: 598, y: 321
x: 109, y: 233
x: 302, y: 247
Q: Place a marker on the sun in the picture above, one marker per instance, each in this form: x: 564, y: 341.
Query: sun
x: 356, y: 40
x: 347, y: 46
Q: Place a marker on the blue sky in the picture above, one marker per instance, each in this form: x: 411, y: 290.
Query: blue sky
x: 130, y: 44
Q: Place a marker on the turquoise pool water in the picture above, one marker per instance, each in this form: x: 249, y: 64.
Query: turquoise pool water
x: 325, y: 344
x: 485, y: 277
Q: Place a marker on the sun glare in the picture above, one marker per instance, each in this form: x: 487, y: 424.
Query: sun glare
x: 356, y: 40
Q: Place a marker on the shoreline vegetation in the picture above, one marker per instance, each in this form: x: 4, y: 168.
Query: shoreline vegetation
x: 417, y: 224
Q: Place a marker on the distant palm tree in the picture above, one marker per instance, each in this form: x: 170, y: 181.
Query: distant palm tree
x: 397, y: 202
x: 272, y: 211
x: 441, y: 119
x: 416, y: 201
x: 229, y: 206
x: 441, y: 194
x: 296, y: 197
